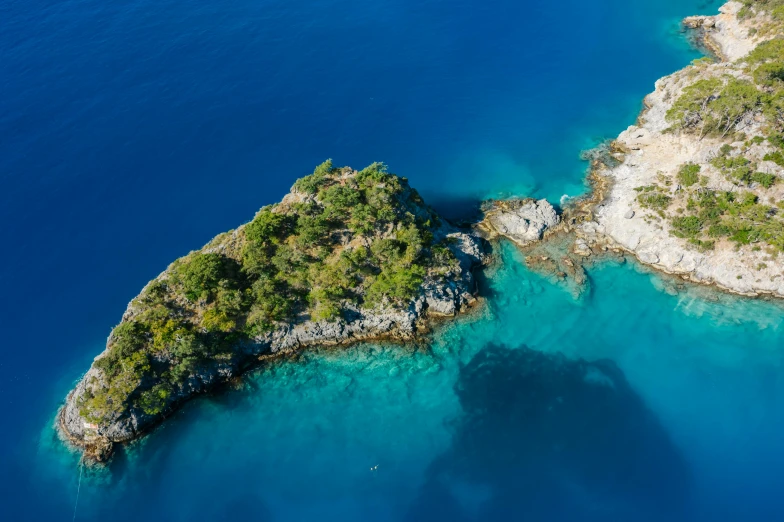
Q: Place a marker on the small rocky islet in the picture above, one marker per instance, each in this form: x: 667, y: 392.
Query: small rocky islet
x: 346, y: 256
x: 693, y: 189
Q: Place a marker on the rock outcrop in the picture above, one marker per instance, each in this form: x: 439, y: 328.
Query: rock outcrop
x: 522, y: 221
x: 729, y: 35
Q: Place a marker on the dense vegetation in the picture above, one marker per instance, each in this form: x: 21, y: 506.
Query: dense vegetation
x: 346, y: 241
x: 723, y: 106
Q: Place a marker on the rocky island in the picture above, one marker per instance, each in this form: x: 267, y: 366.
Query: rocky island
x: 346, y: 256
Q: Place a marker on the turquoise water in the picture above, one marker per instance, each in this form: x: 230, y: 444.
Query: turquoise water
x: 299, y: 440
x: 133, y: 131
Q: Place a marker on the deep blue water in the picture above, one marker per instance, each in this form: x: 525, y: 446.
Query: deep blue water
x: 134, y: 131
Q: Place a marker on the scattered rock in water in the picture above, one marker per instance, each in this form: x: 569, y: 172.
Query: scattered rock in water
x: 695, y: 22
x: 98, y: 450
x: 554, y: 258
x: 581, y: 248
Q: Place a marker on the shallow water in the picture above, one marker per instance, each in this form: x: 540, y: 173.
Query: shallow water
x: 133, y: 131
x: 302, y: 439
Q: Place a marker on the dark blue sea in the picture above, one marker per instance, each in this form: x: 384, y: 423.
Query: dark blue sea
x: 132, y: 131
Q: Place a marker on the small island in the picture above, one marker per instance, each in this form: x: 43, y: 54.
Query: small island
x: 346, y: 256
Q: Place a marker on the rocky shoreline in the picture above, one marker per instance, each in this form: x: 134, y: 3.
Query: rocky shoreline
x: 608, y: 219
x: 648, y: 154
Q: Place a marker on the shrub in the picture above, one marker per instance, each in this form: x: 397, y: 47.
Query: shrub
x: 201, y: 273
x: 702, y: 245
x: 688, y: 174
x: 217, y: 321
x: 339, y: 200
x: 312, y: 230
x: 769, y: 74
x: 153, y: 401
x: 230, y: 301
x: 372, y: 175
x: 766, y: 180
x: 654, y: 200
x: 311, y: 184
x: 363, y: 219
x: 687, y: 226
x: 324, y: 307
x: 397, y: 283
x: 687, y: 110
x: 164, y: 333
x: 776, y: 157
x: 718, y: 231
x: 771, y: 50
x: 712, y: 106
x: 129, y: 337
x: 188, y: 345
x: 267, y: 227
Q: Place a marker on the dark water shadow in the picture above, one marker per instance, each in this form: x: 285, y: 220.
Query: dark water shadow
x: 457, y: 210
x: 543, y: 437
x: 484, y: 280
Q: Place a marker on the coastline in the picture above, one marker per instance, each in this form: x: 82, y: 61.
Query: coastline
x: 530, y: 222
x: 610, y: 217
x: 606, y: 219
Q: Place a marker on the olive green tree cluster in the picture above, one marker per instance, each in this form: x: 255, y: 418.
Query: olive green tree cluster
x: 722, y: 106
x: 739, y: 217
x: 355, y: 239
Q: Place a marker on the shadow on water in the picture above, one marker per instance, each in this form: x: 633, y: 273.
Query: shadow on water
x: 456, y: 209
x: 543, y: 437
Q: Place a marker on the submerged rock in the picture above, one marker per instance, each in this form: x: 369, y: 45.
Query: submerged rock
x: 544, y: 437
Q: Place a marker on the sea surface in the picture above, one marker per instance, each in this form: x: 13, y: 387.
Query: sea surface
x: 132, y: 131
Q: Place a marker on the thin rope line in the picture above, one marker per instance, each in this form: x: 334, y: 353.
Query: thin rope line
x: 78, y: 489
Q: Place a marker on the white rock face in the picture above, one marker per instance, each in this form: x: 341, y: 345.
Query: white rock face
x: 522, y: 221
x: 655, y: 155
x: 727, y: 34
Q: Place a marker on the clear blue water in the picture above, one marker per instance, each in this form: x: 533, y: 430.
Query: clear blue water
x: 133, y: 131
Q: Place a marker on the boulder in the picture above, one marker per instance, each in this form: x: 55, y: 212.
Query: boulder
x: 522, y: 221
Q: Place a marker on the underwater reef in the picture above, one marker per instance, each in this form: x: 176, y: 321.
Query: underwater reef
x: 544, y: 437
